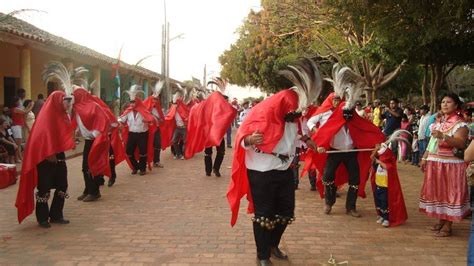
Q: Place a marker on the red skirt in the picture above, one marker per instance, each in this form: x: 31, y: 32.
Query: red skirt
x: 444, y: 194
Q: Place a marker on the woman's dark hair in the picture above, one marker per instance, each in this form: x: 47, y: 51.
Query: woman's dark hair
x: 26, y: 103
x: 14, y: 102
x: 455, y: 98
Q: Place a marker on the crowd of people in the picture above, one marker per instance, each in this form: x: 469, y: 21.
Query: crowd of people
x: 16, y: 121
x: 339, y: 142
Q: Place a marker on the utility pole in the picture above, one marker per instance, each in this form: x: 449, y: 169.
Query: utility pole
x: 166, y: 94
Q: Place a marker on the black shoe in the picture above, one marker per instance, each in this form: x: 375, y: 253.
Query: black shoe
x: 216, y: 172
x: 134, y: 172
x: 327, y: 209
x: 142, y: 172
x: 59, y: 221
x: 208, y: 174
x: 111, y: 182
x: 296, y: 187
x: 353, y: 213
x: 313, y: 188
x: 45, y: 224
x: 91, y: 197
x: 264, y: 262
x: 81, y: 197
x: 277, y: 253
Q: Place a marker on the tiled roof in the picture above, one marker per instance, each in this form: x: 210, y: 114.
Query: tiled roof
x: 27, y: 31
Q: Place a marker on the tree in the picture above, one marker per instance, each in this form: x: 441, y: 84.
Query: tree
x: 436, y: 34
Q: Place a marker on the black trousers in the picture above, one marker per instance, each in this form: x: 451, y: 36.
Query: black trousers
x: 178, y: 141
x: 92, y: 183
x: 273, y: 196
x: 113, y: 173
x: 51, y: 175
x: 139, y: 140
x: 157, y: 146
x: 349, y: 159
x: 220, y: 150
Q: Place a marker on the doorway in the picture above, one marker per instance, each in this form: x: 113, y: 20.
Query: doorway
x: 10, y: 85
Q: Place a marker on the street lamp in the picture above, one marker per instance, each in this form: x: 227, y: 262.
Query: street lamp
x: 165, y: 54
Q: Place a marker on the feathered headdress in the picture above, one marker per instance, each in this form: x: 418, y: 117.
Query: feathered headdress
x: 219, y: 82
x: 56, y: 71
x: 307, y: 80
x: 133, y: 91
x: 397, y: 136
x: 188, y: 94
x: 347, y: 83
x: 158, y: 88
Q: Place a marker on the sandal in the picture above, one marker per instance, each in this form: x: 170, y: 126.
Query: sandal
x: 436, y: 227
x: 443, y: 233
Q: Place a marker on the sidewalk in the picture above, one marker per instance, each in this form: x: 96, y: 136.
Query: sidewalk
x: 178, y: 216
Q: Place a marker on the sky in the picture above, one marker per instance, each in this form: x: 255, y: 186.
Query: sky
x: 208, y: 28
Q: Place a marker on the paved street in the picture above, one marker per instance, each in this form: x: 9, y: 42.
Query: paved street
x: 178, y: 216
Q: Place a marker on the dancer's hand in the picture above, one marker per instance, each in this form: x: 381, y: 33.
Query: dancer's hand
x: 255, y: 139
x: 311, y: 144
x: 321, y: 150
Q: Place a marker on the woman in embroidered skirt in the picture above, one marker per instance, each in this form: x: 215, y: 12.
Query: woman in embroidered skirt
x: 444, y: 193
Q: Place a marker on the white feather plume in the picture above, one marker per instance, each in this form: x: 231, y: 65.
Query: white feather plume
x: 57, y: 72
x: 347, y: 83
x: 307, y: 80
x: 134, y: 91
x: 158, y: 88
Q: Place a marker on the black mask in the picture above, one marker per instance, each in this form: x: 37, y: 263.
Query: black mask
x: 347, y: 114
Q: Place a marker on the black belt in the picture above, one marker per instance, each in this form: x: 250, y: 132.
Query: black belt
x: 283, y: 157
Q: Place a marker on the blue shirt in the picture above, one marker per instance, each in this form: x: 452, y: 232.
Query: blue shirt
x: 392, y: 123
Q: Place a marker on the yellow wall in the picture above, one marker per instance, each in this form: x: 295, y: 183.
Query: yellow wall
x: 9, y: 64
x: 38, y: 61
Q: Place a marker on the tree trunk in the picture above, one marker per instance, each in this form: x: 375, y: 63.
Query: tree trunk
x: 437, y: 70
x: 423, y: 86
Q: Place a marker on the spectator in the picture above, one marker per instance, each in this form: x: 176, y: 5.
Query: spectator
x: 21, y: 93
x: 377, y: 112
x: 393, y: 117
x: 415, y: 150
x: 29, y: 118
x: 38, y: 104
x: 18, y: 122
x: 7, y: 141
x: 469, y: 157
x: 444, y: 194
x: 6, y: 115
x: 244, y: 112
x: 360, y: 111
x: 422, y: 128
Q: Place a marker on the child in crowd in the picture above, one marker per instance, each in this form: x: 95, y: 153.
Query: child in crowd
x: 415, y: 152
x: 388, y: 196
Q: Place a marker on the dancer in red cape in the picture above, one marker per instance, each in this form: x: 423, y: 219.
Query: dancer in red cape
x: 52, y: 131
x: 342, y: 131
x: 139, y: 132
x: 153, y: 105
x: 265, y: 146
x: 176, y: 121
x: 388, y: 195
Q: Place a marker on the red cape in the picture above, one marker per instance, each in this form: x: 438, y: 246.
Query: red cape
x: 94, y: 117
x: 169, y: 124
x: 208, y: 122
x: 164, y: 125
x: 266, y: 117
x: 51, y: 133
x: 115, y: 140
x: 364, y: 135
x: 396, y: 204
x: 152, y: 127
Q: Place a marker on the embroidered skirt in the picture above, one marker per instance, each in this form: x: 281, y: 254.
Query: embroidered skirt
x: 444, y: 194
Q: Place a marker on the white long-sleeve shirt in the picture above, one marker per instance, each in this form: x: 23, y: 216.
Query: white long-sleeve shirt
x: 86, y: 133
x: 135, y: 122
x: 342, y: 140
x: 265, y: 162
